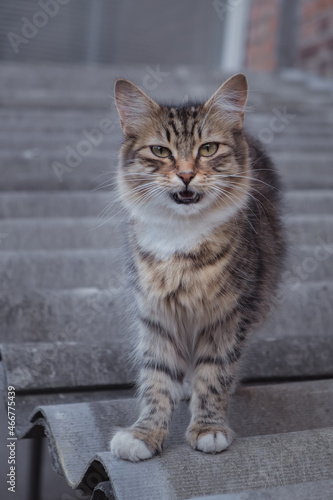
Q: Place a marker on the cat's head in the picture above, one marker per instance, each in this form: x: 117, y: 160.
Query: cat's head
x: 183, y: 160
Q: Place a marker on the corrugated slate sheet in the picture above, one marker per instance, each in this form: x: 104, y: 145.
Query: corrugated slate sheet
x: 269, y: 450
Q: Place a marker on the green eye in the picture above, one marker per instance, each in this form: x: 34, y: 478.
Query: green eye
x: 208, y: 149
x: 160, y: 151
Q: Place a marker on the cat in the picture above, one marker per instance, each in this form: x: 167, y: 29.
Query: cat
x: 206, y: 245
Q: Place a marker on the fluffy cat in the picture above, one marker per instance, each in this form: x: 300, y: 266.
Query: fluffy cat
x: 206, y: 251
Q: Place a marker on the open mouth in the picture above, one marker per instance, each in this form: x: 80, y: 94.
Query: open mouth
x: 186, y: 197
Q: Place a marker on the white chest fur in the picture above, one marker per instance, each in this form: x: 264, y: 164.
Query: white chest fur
x: 163, y: 237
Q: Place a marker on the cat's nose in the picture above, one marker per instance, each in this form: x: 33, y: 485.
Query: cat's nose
x: 186, y: 177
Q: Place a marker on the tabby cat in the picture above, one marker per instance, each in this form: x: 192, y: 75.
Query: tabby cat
x: 206, y: 251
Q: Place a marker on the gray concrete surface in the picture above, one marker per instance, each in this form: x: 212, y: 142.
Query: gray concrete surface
x: 100, y: 268
x: 21, y: 204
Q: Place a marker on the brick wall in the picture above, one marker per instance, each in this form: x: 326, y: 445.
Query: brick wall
x: 262, y: 35
x: 313, y: 44
x: 316, y: 37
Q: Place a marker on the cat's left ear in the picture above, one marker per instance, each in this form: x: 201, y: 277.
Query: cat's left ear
x: 134, y: 106
x: 230, y: 100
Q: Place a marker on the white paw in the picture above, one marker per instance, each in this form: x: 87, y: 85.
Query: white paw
x: 212, y: 443
x: 125, y: 446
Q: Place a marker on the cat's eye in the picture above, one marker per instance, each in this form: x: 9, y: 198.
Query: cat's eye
x: 160, y: 151
x: 208, y: 149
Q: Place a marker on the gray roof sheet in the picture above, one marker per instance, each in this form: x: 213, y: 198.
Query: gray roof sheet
x: 277, y: 426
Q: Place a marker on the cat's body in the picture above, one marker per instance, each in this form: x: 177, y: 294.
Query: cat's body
x: 205, y: 258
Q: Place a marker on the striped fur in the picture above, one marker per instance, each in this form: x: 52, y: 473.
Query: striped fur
x: 202, y: 273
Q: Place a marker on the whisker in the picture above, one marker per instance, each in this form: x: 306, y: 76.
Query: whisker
x: 257, y: 191
x: 105, y: 184
x: 240, y: 176
x: 142, y: 199
x: 221, y: 191
x: 247, y: 191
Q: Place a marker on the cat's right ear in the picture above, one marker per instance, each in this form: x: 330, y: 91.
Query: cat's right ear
x: 133, y: 105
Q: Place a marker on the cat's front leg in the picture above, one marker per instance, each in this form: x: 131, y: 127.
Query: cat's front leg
x: 160, y: 387
x: 213, y: 379
x: 208, y: 430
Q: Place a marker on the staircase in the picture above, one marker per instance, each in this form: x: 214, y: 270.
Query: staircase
x: 64, y: 327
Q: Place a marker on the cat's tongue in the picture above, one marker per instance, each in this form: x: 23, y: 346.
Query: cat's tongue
x: 186, y: 194
x: 186, y: 197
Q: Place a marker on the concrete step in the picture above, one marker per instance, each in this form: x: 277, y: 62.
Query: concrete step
x: 49, y: 333
x: 90, y: 89
x: 44, y: 121
x: 305, y: 124
x: 288, y: 143
x: 76, y: 314
x: 64, y: 315
x: 60, y: 76
x: 39, y: 170
x: 59, y: 141
x: 102, y: 365
x: 74, y: 121
x: 310, y: 229
x: 61, y: 233
x: 66, y: 269
x: 112, y: 140
x: 24, y: 204
x: 29, y: 270
x: 309, y: 202
x: 31, y: 170
x: 300, y: 170
x: 171, y: 91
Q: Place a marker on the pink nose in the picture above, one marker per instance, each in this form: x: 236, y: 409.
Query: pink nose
x: 186, y: 177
